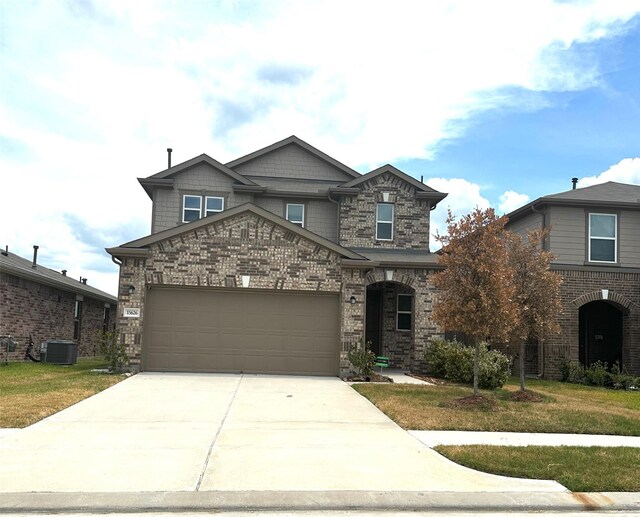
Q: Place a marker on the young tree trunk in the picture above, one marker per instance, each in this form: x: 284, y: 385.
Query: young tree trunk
x: 522, y: 366
x: 476, y: 368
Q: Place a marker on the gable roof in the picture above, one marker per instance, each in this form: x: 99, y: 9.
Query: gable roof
x: 423, y: 191
x: 294, y: 140
x: 164, y: 179
x: 139, y: 247
x: 23, y: 268
x: 612, y: 195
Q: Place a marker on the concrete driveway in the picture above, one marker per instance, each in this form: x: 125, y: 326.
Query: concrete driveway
x: 191, y: 432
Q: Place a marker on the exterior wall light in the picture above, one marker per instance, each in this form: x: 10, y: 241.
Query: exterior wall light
x: 131, y: 289
x: 352, y: 300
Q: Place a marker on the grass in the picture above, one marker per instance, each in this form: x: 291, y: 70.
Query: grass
x: 580, y: 469
x: 30, y: 392
x: 565, y: 408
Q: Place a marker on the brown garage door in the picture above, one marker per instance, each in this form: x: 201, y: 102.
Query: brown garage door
x: 198, y: 330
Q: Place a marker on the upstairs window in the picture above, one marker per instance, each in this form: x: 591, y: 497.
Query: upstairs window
x: 603, y: 236
x: 191, y: 208
x: 295, y: 214
x: 194, y: 207
x: 213, y: 205
x: 384, y: 222
x: 403, y: 320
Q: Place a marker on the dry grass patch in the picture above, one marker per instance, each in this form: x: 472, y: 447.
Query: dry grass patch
x: 563, y: 408
x: 580, y: 469
x: 30, y: 392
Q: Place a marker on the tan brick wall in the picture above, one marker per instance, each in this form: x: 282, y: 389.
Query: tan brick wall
x: 358, y: 216
x: 43, y: 312
x: 218, y: 255
x: 580, y: 287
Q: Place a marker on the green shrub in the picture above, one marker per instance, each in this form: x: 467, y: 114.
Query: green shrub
x: 454, y: 362
x: 495, y: 368
x: 598, y: 375
x: 113, y: 350
x: 361, y: 358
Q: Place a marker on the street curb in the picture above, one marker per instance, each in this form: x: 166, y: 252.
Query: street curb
x: 304, y: 501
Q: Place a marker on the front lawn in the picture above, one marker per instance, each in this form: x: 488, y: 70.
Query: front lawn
x: 565, y: 408
x: 32, y: 391
x: 580, y: 469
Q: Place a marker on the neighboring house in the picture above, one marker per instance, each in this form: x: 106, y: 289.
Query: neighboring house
x: 278, y: 262
x: 595, y: 235
x: 44, y: 304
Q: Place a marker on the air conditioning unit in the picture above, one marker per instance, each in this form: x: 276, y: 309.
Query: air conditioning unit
x: 58, y: 351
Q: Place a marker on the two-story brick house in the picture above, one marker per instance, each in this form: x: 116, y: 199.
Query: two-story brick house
x: 595, y: 236
x: 278, y: 262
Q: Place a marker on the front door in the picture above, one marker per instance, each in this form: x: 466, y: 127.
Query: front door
x: 600, y: 333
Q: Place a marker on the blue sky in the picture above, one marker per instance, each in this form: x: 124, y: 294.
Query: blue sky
x: 495, y: 102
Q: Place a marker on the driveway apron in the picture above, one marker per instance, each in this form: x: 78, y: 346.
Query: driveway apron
x: 218, y: 432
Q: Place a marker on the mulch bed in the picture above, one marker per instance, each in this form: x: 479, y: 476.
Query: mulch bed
x: 525, y: 396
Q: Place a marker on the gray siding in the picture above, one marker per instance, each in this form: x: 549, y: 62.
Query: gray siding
x: 629, y: 239
x: 294, y: 184
x: 528, y: 223
x: 202, y: 178
x: 292, y: 162
x: 569, y: 235
x: 321, y: 217
x: 568, y: 240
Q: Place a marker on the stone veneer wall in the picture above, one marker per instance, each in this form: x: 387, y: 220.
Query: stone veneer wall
x: 218, y: 255
x: 43, y: 312
x: 411, y: 216
x: 580, y: 287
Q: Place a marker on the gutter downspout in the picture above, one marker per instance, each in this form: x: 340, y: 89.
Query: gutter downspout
x: 337, y: 216
x: 540, y: 339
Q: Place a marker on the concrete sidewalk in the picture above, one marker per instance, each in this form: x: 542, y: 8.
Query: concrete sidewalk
x: 434, y: 438
x: 306, y: 502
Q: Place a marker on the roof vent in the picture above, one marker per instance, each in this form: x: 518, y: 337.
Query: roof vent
x: 6, y: 251
x: 64, y: 272
x: 575, y: 182
x: 169, y: 151
x: 83, y: 280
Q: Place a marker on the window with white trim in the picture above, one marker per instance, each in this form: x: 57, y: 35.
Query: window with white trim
x: 213, y: 205
x: 403, y: 318
x: 191, y: 208
x: 384, y: 222
x: 194, y: 207
x: 603, y: 238
x: 295, y: 214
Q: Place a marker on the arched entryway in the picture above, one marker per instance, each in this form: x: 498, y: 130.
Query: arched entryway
x: 601, y: 333
x: 389, y: 321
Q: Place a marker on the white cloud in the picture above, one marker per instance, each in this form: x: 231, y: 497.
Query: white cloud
x: 99, y: 90
x: 463, y: 196
x: 625, y: 171
x: 511, y: 200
